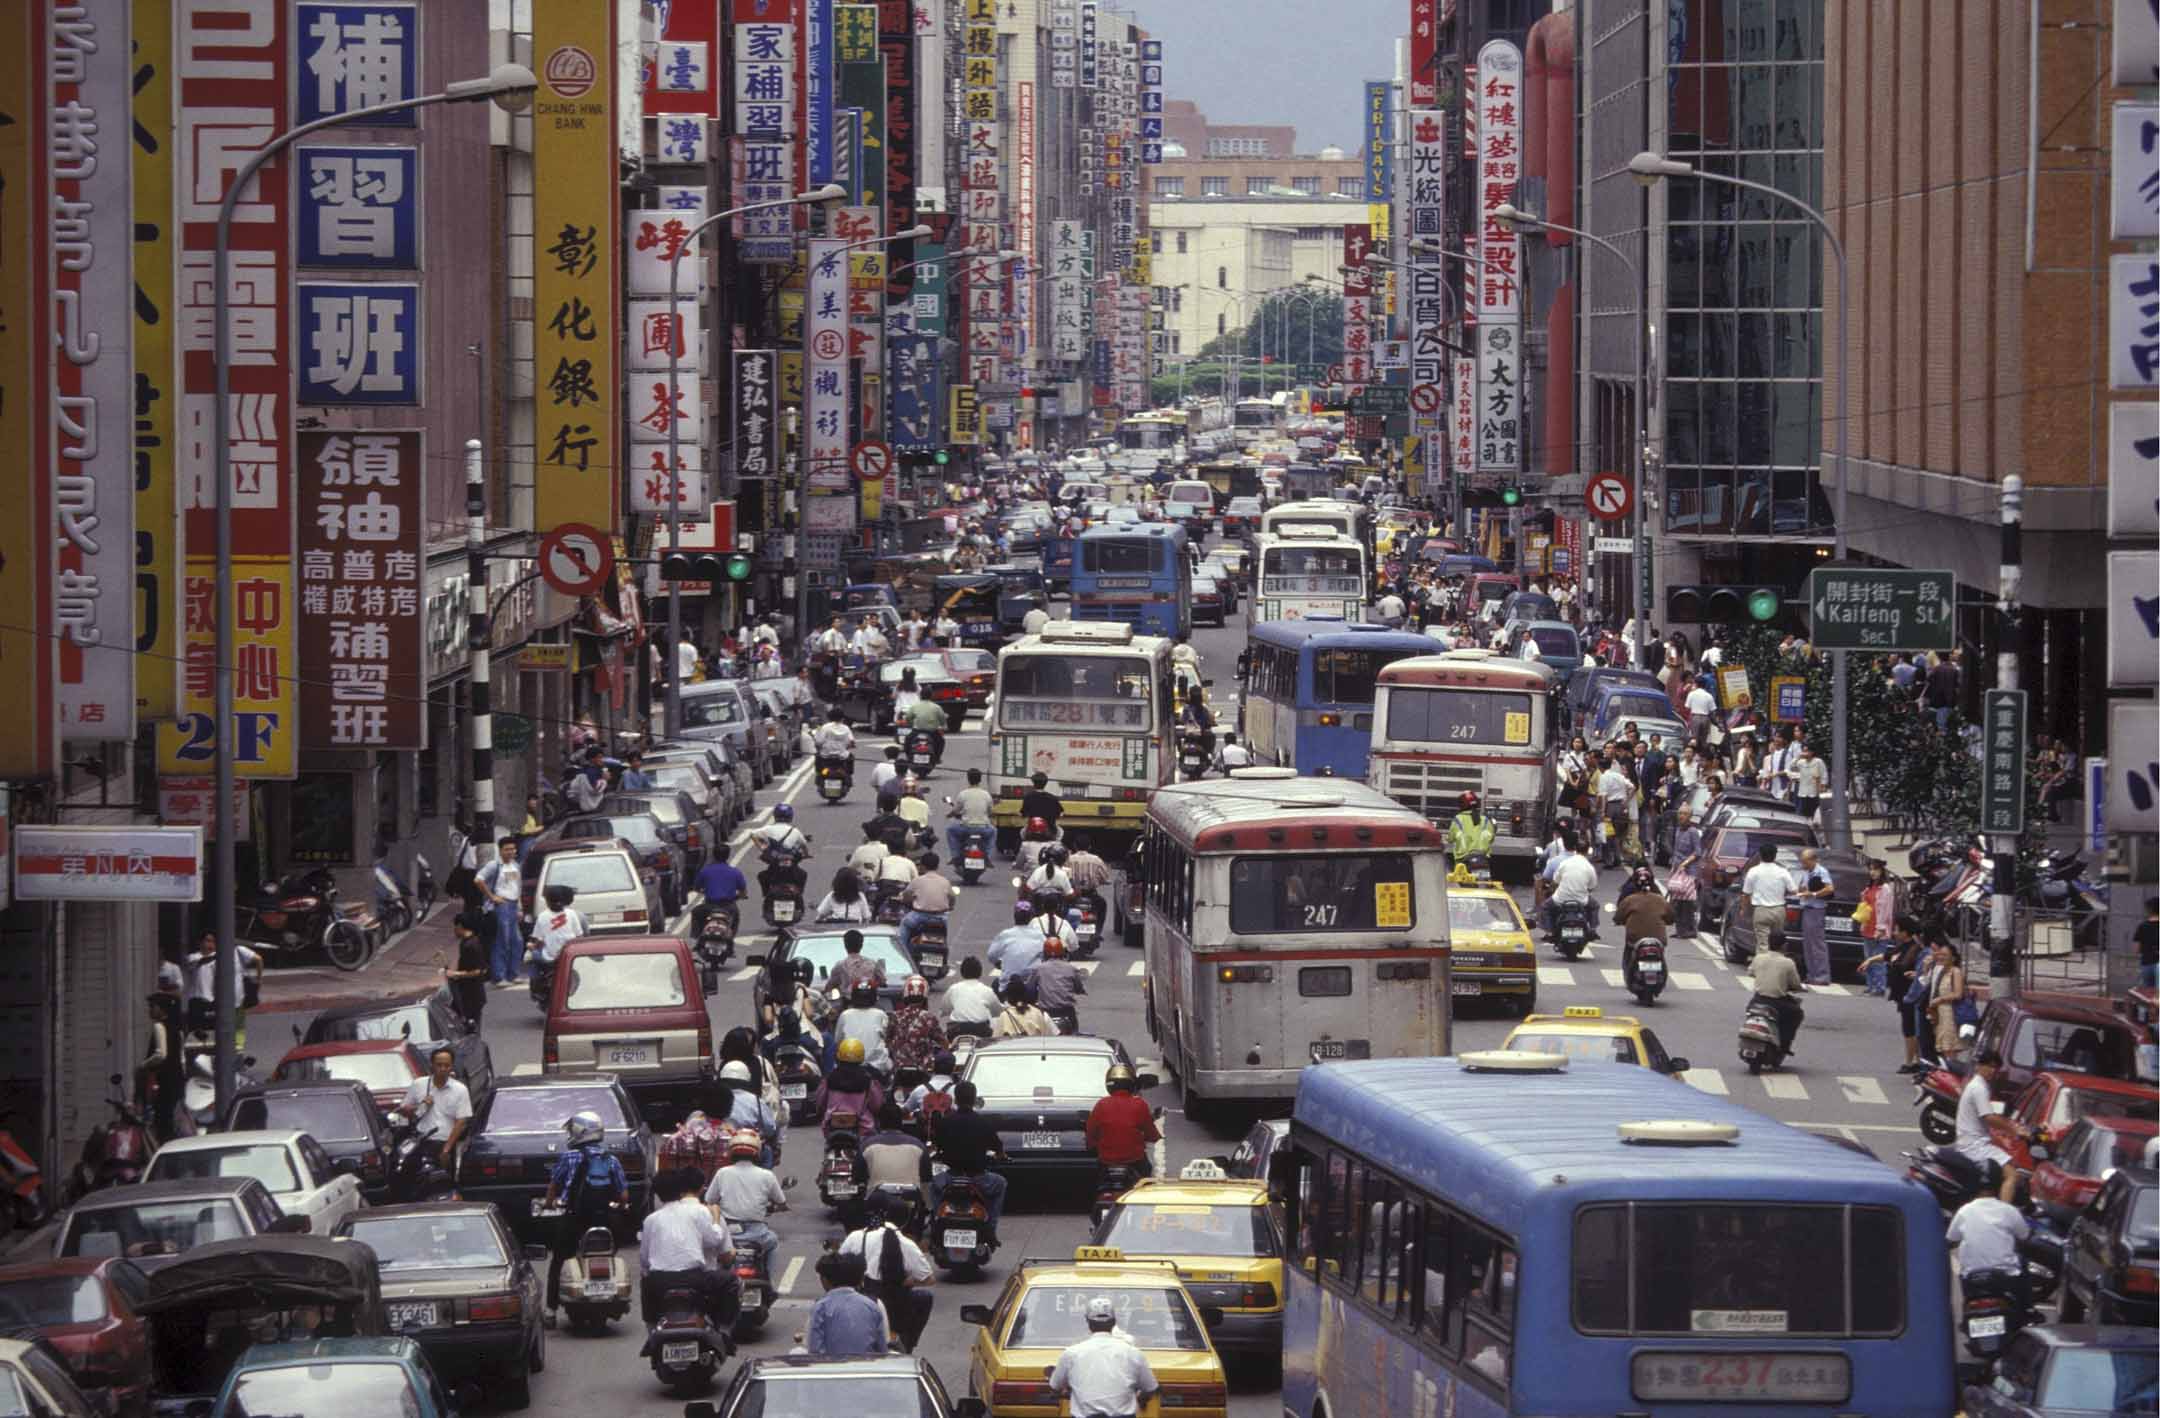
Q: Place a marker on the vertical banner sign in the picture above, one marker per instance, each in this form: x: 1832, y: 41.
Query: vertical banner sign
x: 575, y: 283
x: 1425, y: 194
x: 761, y: 157
x: 1424, y: 53
x: 913, y: 427
x: 1090, y: 55
x: 363, y: 559
x: 1499, y: 302
x: 930, y: 57
x: 28, y: 663
x: 2002, y: 782
x: 1023, y: 270
x: 1379, y: 151
x: 233, y: 95
x: 756, y: 414
x: 862, y: 86
x: 964, y: 418
x: 1462, y: 425
x: 825, y: 334
x: 1151, y: 124
x: 896, y: 41
x: 1357, y: 306
x: 817, y: 39
x: 87, y: 201
x: 679, y: 77
x: 157, y: 519
x: 927, y: 301
x: 1068, y: 293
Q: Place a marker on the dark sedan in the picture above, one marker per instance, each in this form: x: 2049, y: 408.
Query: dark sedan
x: 85, y: 1308
x: 1848, y: 874
x: 1210, y: 601
x: 643, y: 832
x: 823, y: 947
x: 2058, y: 1370
x: 428, y: 1023
x: 518, y: 1133
x: 456, y: 1280
x: 680, y: 822
x: 1038, y: 1094
x: 2112, y: 1253
x: 339, y: 1113
x: 803, y: 1384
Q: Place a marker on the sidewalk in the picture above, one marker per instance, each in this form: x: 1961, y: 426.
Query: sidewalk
x: 410, y: 964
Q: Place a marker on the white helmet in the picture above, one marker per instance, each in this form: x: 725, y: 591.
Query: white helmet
x: 1101, y: 1313
x: 585, y: 1128
x: 735, y: 1071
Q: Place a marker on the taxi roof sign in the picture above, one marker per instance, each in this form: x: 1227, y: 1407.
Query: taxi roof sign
x: 1203, y: 1169
x: 1095, y: 1253
x: 1583, y: 1011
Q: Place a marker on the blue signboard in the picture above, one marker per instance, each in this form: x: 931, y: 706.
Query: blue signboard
x: 916, y: 414
x: 818, y: 91
x: 360, y: 343
x: 355, y: 56
x: 360, y: 207
x: 1379, y: 145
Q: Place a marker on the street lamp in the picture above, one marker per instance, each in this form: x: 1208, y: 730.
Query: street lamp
x: 1510, y: 215
x: 1648, y: 168
x: 988, y: 258
x: 510, y: 87
x: 830, y: 192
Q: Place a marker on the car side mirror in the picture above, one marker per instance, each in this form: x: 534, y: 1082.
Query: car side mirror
x: 1677, y: 1065
x: 974, y: 1314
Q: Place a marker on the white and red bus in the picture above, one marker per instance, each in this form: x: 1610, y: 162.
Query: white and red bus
x: 1290, y: 921
x: 1468, y: 721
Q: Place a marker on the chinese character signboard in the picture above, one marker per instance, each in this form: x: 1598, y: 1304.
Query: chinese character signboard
x: 157, y: 523
x: 108, y: 863
x: 1499, y: 400
x: 1462, y: 419
x: 363, y: 548
x: 2134, y: 193
x: 964, y: 417
x: 825, y: 337
x: 360, y: 208
x: 574, y: 278
x: 927, y: 300
x: 679, y: 75
x: 360, y: 343
x: 351, y: 56
x: 1379, y: 145
x: 914, y: 425
x: 1424, y: 52
x: 233, y: 91
x: 1425, y: 199
x: 756, y: 416
x: 1357, y: 306
x: 818, y: 74
x: 28, y: 665
x: 2002, y: 782
x: 1499, y: 302
x: 896, y: 42
x: 87, y: 199
x: 2134, y: 321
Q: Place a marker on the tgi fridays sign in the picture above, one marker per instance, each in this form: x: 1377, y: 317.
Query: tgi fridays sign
x: 1499, y: 435
x: 363, y: 547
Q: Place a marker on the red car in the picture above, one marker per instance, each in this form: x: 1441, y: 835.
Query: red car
x: 386, y: 1066
x: 85, y: 1307
x: 2054, y: 1100
x: 976, y: 669
x: 2072, y: 1168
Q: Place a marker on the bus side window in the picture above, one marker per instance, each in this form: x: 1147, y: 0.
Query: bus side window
x: 1486, y: 1277
x: 1383, y: 1220
x: 1185, y: 893
x: 1345, y: 1206
x: 1438, y: 1316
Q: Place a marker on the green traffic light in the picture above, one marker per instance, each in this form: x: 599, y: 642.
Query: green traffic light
x: 1763, y: 604
x: 738, y: 567
x: 1510, y: 496
x: 943, y: 457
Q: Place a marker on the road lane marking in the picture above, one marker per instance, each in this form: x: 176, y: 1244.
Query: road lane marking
x: 1828, y: 990
x: 1683, y: 980
x: 1709, y: 1080
x: 1784, y: 1085
x: 1555, y: 975
x: 1714, y: 952
x: 788, y: 1275
x: 1859, y: 1088
x: 1614, y: 978
x: 1086, y: 967
x: 1136, y: 969
x: 748, y: 972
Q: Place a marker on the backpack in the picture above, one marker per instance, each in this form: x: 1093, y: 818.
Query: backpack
x: 597, y: 1174
x: 936, y: 1104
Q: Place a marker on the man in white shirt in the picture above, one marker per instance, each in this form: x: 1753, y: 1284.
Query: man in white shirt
x: 833, y: 738
x: 970, y: 810
x: 202, y: 976
x: 1574, y: 878
x: 1033, y: 622
x: 1811, y: 779
x: 1763, y: 893
x: 1976, y: 1104
x: 439, y: 1105
x: 885, y: 778
x: 906, y: 1296
x: 1986, y: 1232
x: 1699, y: 702
x: 832, y: 640
x: 870, y: 642
x: 686, y: 660
x: 1389, y: 609
x: 944, y: 629
x: 681, y: 1247
x: 970, y: 1004
x: 1232, y: 754
x: 1105, y: 1375
x: 557, y: 926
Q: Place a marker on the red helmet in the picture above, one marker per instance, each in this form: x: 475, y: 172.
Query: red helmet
x: 915, y: 987
x: 1038, y: 828
x: 1053, y: 947
x: 746, y: 1143
x: 1469, y: 802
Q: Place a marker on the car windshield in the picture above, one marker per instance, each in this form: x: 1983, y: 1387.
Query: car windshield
x: 378, y: 1071
x: 972, y: 661
x: 2078, y: 1045
x: 637, y: 979
x: 327, y: 1117
x: 168, y: 1226
x: 2103, y: 1381
x: 543, y: 1109
x: 1025, y: 1074
x: 667, y: 810
x: 824, y: 952
x: 1186, y: 1229
x: 45, y: 1300
x: 640, y: 829
x: 2142, y: 1228
x: 344, y: 1386
x: 1555, y: 642
x: 1640, y: 706
x: 678, y: 775
x: 706, y: 710
x: 408, y: 1022
x: 1734, y: 843
x: 1482, y: 913
x: 594, y: 875
x: 1054, y: 1316
x: 785, y: 1395
x: 1581, y: 1048
x: 269, y: 1163
x: 454, y: 1241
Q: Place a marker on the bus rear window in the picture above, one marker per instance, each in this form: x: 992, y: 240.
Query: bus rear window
x: 1313, y: 561
x: 1133, y: 556
x: 1467, y: 716
x: 1350, y: 676
x: 1739, y: 1271
x: 1321, y: 892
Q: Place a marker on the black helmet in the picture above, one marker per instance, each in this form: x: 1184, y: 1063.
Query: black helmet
x: 559, y: 897
x: 804, y: 970
x: 863, y: 995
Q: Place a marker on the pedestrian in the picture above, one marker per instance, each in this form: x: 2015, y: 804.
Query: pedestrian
x: 468, y: 977
x: 501, y: 881
x: 1811, y: 780
x: 1763, y: 892
x: 1813, y: 887
x: 1945, y: 995
x: 162, y: 1075
x: 1684, y: 886
x: 1901, y: 958
x: 1875, y: 919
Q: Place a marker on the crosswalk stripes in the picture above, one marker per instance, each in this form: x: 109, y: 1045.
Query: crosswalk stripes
x: 1086, y: 967
x: 748, y: 972
x: 1853, y: 1088
x: 1555, y: 975
x: 1784, y: 1085
x: 1614, y: 978
x: 1136, y: 969
x: 1828, y: 990
x: 1713, y: 951
x: 788, y: 1275
x: 1859, y: 1088
x: 1684, y: 980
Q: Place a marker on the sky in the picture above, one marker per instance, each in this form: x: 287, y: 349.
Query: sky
x: 1275, y: 61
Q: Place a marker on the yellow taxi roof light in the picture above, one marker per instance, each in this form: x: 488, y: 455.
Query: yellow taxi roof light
x: 1097, y: 1253
x: 1583, y: 1011
x: 1203, y: 1169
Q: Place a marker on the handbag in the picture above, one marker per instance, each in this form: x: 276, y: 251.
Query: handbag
x: 1965, y: 1011
x: 1917, y: 992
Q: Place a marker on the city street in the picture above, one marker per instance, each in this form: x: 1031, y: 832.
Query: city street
x: 1842, y: 1080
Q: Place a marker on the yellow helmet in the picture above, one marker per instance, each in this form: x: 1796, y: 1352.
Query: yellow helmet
x: 1120, y: 1075
x: 850, y: 1051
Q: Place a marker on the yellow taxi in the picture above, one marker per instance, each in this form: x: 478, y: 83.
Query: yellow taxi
x: 1043, y: 1310
x: 1491, y: 955
x: 1224, y: 1237
x: 1587, y: 1034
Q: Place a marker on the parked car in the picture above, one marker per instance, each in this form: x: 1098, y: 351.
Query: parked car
x: 769, y: 734
x: 680, y: 822
x: 634, y: 1007
x: 456, y: 1281
x: 616, y: 894
x: 1037, y: 1093
x: 1619, y: 706
x: 518, y: 1133
x: 720, y: 709
x: 1583, y: 686
x: 804, y: 1383
x: 152, y: 1223
x: 2112, y: 1252
x: 377, y: 1374
x: 294, y: 1166
x: 36, y: 1379
x: 723, y: 765
x: 339, y: 1113
x: 1848, y: 878
x: 428, y: 1023
x: 1730, y: 851
x: 2068, y: 1172
x: 85, y: 1309
x: 821, y: 945
x: 642, y: 834
x: 2070, y: 1370
x: 1209, y: 601
x: 2046, y: 1107
x: 2051, y: 1029
x: 387, y: 1066
x: 793, y: 708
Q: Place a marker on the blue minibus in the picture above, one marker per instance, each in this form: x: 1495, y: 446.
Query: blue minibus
x: 1309, y: 691
x: 1136, y: 574
x: 1511, y: 1234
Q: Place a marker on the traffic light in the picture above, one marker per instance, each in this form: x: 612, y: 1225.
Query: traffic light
x: 943, y: 457
x: 705, y: 566
x: 1723, y: 605
x: 1511, y: 496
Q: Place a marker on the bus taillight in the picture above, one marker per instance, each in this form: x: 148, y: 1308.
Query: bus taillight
x: 1405, y: 970
x: 1245, y: 974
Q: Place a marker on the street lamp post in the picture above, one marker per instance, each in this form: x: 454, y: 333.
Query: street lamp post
x: 1648, y: 167
x: 510, y: 87
x: 1637, y: 602
x: 830, y: 192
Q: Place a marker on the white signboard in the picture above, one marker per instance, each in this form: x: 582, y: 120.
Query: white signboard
x: 825, y: 356
x: 108, y: 863
x: 2134, y: 322
x: 1499, y: 396
x: 2133, y: 773
x: 651, y: 329
x: 1499, y: 153
x: 2137, y: 44
x: 2134, y: 468
x: 2133, y: 616
x: 2134, y: 179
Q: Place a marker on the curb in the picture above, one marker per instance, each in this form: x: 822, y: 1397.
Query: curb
x: 405, y: 967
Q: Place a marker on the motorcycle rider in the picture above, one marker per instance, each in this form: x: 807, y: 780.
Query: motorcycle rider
x: 1574, y: 880
x: 1087, y: 872
x: 895, y: 871
x: 917, y: 812
x: 834, y: 742
x: 680, y: 1247
x: 1232, y: 754
x: 865, y: 1023
x: 1470, y: 834
x: 855, y: 968
x: 1777, y: 981
x: 1643, y: 914
x: 1974, y: 1149
x: 1195, y: 721
x: 1036, y: 839
x: 556, y: 927
x: 746, y: 1109
x: 1121, y: 1125
x: 1050, y: 883
x: 1057, y: 982
x: 848, y: 1087
x: 586, y: 1178
x: 1104, y: 1374
x: 440, y: 1106
x: 783, y: 848
x: 721, y: 885
x: 970, y: 1004
x: 967, y: 1143
x: 888, y: 827
x: 1051, y: 921
x: 916, y: 1039
x: 929, y: 898
x: 940, y: 1081
x: 1020, y: 1019
x: 970, y: 811
x: 1041, y: 806
x: 746, y: 1193
x: 1986, y: 1232
x: 927, y: 716
x: 894, y: 1157
x: 895, y: 1270
x: 885, y: 778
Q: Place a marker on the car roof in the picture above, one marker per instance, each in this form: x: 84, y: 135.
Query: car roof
x: 1054, y: 1044
x: 1120, y: 1274
x: 2092, y: 1336
x: 334, y: 1047
x: 178, y: 1190
x: 525, y: 1082
x: 786, y: 1366
x: 424, y: 1208
x: 2096, y: 1083
x: 1604, y: 1025
x: 362, y: 1009
x: 1179, y: 1191
x: 253, y: 1137
x: 57, y: 1265
x: 627, y: 945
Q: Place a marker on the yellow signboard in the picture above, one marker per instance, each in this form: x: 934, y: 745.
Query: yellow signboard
x: 964, y: 417
x: 157, y: 513
x: 1515, y: 728
x: 575, y: 199
x: 1391, y: 905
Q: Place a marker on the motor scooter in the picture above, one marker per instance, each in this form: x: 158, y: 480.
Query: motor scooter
x: 540, y: 982
x: 418, y: 1172
x: 685, y: 1347
x: 1642, y: 968
x: 1573, y: 928
x: 840, y: 1173
x: 835, y: 775
x: 116, y: 1153
x: 1761, y: 1040
x: 198, y: 1090
x: 1935, y: 1094
x: 1087, y: 913
x: 1995, y: 1306
x: 918, y: 752
x: 1111, y: 1182
x: 799, y: 1073
x: 596, y: 1287
x: 783, y: 903
x: 959, y: 1236
x: 1192, y: 757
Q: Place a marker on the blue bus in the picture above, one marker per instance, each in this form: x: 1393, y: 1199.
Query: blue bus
x: 1449, y: 1216
x: 1309, y: 688
x: 1135, y: 574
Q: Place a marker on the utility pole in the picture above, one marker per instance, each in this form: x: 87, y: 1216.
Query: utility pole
x: 478, y: 633
x: 2002, y: 925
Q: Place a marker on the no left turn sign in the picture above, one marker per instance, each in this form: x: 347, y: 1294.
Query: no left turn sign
x: 1425, y: 398
x: 871, y: 461
x: 1609, y: 497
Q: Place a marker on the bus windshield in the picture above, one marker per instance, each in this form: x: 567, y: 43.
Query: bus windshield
x: 1085, y: 691
x: 1126, y: 555
x: 1462, y: 716
x: 1321, y: 892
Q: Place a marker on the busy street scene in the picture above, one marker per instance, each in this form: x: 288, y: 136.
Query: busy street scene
x: 949, y: 708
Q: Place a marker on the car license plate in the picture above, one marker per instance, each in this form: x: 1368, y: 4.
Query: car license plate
x: 1837, y: 923
x: 783, y: 911
x: 1467, y: 987
x: 599, y: 1289
x: 1330, y: 1049
x: 1986, y: 1326
x: 411, y: 1314
x: 637, y: 1053
x: 959, y: 1240
x: 794, y: 1092
x: 680, y: 1353
x: 1781, y: 1377
x: 1039, y: 1140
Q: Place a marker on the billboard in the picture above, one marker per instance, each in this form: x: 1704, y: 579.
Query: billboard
x: 363, y: 557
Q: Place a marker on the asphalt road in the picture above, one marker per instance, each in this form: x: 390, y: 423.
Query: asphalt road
x: 1842, y: 1080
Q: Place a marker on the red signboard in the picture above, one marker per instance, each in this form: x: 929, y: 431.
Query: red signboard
x: 1424, y: 52
x: 363, y: 563
x: 896, y: 41
x: 683, y: 74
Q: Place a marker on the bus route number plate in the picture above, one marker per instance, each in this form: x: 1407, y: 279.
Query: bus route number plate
x: 1516, y: 728
x: 1391, y: 905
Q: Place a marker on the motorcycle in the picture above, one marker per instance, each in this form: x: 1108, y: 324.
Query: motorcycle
x: 1572, y: 929
x: 685, y: 1348
x: 715, y: 944
x: 835, y: 775
x: 198, y: 1092
x: 116, y: 1153
x: 1086, y: 914
x: 960, y: 1235
x: 25, y: 1183
x: 783, y: 904
x: 1761, y: 1040
x: 929, y: 946
x: 840, y: 1174
x: 909, y: 1216
x: 596, y: 1288
x: 1936, y: 1094
x: 540, y: 982
x: 887, y: 903
x: 423, y: 886
x: 418, y: 1172
x: 918, y: 753
x: 1111, y: 1183
x: 1642, y: 968
x: 974, y: 859
x: 1995, y: 1309
x: 301, y: 912
x: 394, y: 908
x: 799, y: 1076
x: 2065, y: 887
x: 1192, y: 757
x: 754, y: 1278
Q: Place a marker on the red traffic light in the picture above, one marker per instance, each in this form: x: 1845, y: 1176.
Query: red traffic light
x: 1027, y: 393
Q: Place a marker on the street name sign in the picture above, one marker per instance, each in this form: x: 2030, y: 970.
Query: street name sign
x: 1876, y: 608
